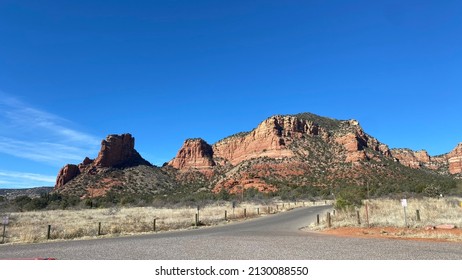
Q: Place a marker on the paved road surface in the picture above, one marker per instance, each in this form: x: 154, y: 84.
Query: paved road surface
x: 272, y: 237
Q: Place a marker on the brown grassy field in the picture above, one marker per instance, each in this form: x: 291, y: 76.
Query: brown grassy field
x: 387, y: 219
x: 32, y: 227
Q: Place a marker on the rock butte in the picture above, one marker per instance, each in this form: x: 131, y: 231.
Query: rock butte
x: 116, y: 151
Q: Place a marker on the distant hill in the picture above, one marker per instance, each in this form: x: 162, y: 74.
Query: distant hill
x: 30, y: 192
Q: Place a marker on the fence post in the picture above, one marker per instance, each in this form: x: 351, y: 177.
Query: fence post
x: 359, y: 217
x: 4, y: 232
x: 49, y: 232
x: 367, y: 215
x: 99, y: 228
x: 197, y: 219
x: 226, y: 215
x: 154, y: 225
x: 317, y: 220
x: 417, y: 212
x: 329, y: 220
x: 258, y: 211
x: 245, y: 213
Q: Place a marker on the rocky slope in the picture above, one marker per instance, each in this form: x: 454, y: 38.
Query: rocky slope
x: 301, y: 153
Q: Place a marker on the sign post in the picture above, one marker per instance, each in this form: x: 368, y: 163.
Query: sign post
x: 4, y: 222
x: 367, y: 214
x: 404, y: 204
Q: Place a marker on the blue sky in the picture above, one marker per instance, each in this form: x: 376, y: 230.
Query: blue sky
x: 72, y: 72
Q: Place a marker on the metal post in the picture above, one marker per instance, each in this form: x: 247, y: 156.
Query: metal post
x: 49, y: 232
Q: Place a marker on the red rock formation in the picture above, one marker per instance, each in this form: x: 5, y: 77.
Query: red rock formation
x: 422, y: 156
x: 66, y: 174
x: 118, y: 151
x: 269, y: 139
x: 356, y: 140
x: 455, y: 160
x: 354, y: 146
x: 87, y: 161
x: 285, y: 150
x: 418, y: 159
x: 195, y: 153
x: 411, y: 158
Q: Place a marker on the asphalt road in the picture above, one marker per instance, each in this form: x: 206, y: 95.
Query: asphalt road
x: 275, y: 237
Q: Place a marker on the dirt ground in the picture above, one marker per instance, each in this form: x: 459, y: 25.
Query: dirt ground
x: 420, y: 234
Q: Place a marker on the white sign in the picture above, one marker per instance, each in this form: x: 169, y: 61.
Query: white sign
x: 404, y: 202
x: 5, y: 220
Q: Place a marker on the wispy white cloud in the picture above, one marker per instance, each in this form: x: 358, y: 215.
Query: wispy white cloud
x: 53, y: 154
x: 13, y: 179
x: 29, y: 176
x: 35, y: 135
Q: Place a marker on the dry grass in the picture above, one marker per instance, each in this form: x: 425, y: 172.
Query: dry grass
x: 32, y: 227
x: 387, y: 213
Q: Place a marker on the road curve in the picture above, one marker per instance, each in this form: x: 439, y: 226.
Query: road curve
x: 274, y: 237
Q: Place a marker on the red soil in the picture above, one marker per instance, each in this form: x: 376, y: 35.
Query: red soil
x: 435, y: 235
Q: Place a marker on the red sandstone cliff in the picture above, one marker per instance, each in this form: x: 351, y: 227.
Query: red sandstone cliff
x: 67, y: 173
x: 455, y: 160
x: 195, y: 153
x: 273, y: 138
x: 411, y: 158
